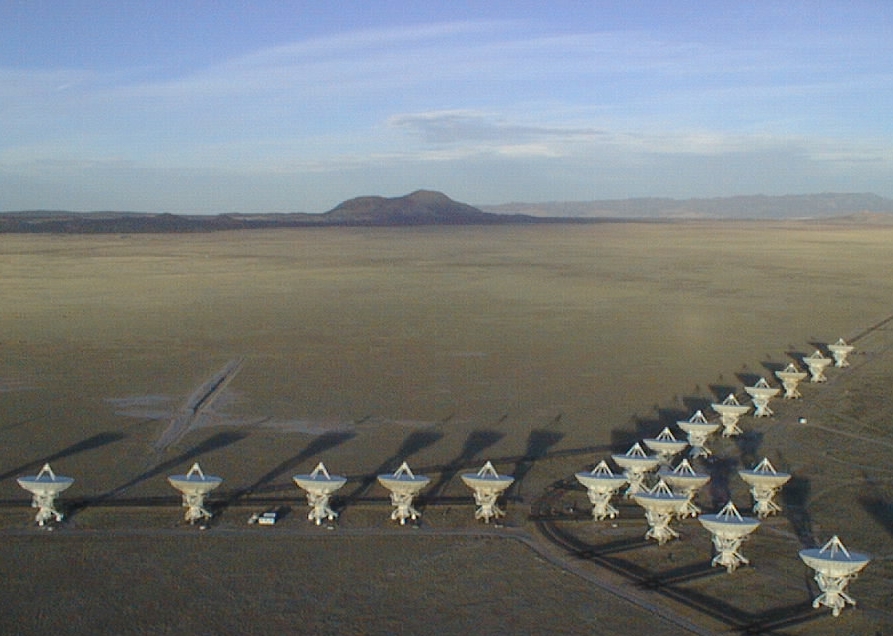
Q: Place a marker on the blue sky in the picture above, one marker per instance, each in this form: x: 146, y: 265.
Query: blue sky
x: 206, y: 107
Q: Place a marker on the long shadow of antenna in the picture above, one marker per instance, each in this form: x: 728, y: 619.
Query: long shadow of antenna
x: 318, y: 445
x: 538, y: 444
x: 749, y: 443
x: 88, y: 444
x: 722, y: 391
x: 474, y: 443
x: 720, y: 470
x: 794, y: 496
x: 412, y: 444
x: 220, y: 440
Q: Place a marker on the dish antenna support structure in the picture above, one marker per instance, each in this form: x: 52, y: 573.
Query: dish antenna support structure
x: 661, y: 504
x: 195, y: 486
x: 730, y: 410
x: 835, y: 567
x: 44, y: 487
x: 761, y: 393
x: 601, y: 484
x: 636, y: 463
x: 728, y: 530
x: 665, y: 445
x: 487, y: 485
x: 764, y: 482
x: 840, y: 350
x: 790, y: 378
x: 403, y: 486
x: 686, y: 481
x: 319, y: 486
x: 699, y: 431
x: 817, y: 363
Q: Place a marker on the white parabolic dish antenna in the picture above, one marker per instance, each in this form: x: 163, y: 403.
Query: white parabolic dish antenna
x: 685, y: 480
x: 761, y: 393
x: 487, y: 485
x: 790, y: 377
x: 699, y: 431
x: 636, y: 463
x: 319, y: 486
x: 665, y: 445
x: 730, y: 411
x: 403, y: 486
x: 834, y: 567
x: 840, y: 350
x: 817, y: 363
x: 601, y: 484
x: 45, y: 486
x: 194, y: 486
x: 728, y: 529
x: 660, y: 504
x: 764, y: 482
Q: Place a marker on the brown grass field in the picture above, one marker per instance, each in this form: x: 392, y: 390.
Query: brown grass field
x: 544, y: 349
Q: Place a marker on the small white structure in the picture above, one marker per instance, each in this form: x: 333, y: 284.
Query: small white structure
x: 660, y: 504
x: 790, y: 378
x: 764, y: 482
x: 699, y: 431
x: 730, y: 410
x: 729, y: 530
x: 487, y: 485
x: 44, y: 487
x: 194, y: 486
x: 636, y: 463
x: 840, y: 350
x: 319, y: 486
x: 665, y: 445
x: 686, y: 481
x: 403, y: 486
x: 761, y: 393
x: 817, y: 363
x: 601, y: 484
x: 834, y: 567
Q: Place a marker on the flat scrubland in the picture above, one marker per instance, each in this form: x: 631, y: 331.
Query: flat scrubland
x: 544, y: 349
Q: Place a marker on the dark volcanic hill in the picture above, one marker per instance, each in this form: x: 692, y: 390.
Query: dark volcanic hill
x: 422, y: 207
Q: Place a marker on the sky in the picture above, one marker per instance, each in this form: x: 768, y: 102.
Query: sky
x: 198, y: 107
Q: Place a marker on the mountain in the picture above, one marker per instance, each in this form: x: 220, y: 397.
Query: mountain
x: 426, y: 207
x: 422, y: 207
x: 794, y: 206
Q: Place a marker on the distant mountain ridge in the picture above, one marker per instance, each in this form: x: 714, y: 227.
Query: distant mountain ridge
x: 427, y: 207
x: 793, y: 206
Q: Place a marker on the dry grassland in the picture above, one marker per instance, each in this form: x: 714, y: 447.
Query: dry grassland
x: 542, y: 348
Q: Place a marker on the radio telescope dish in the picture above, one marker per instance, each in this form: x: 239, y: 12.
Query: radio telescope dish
x: 817, y: 363
x: 44, y: 487
x: 761, y: 393
x: 319, y: 486
x: 487, y: 485
x: 684, y: 480
x: 840, y: 350
x: 194, y: 486
x: 729, y: 530
x: 730, y: 410
x: 665, y: 445
x: 403, y: 486
x: 834, y: 567
x: 660, y: 504
x: 636, y: 463
x: 764, y: 482
x: 790, y: 378
x: 601, y: 484
x: 699, y: 431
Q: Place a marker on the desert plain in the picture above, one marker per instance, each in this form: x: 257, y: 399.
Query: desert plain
x: 541, y: 348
